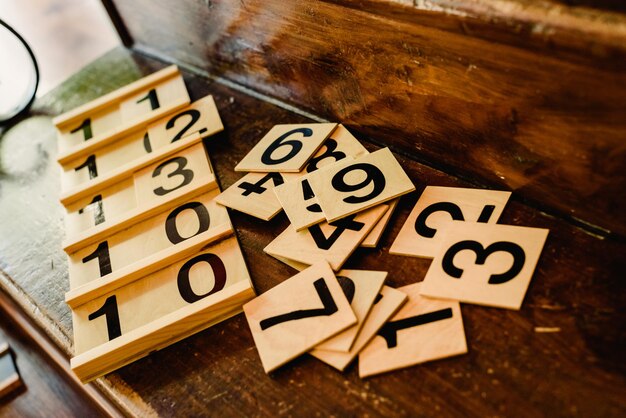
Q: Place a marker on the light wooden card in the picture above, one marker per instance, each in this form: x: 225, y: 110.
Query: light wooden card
x: 291, y: 318
x: 386, y: 304
x: 97, y: 159
x: 291, y: 263
x: 352, y: 186
x: 159, y: 235
x: 361, y: 288
x: 160, y: 309
x: 372, y: 239
x: 252, y: 194
x: 423, y: 330
x: 435, y: 210
x: 485, y: 264
x: 9, y: 377
x: 139, y: 195
x: 286, y: 148
x: 121, y: 112
x: 332, y: 243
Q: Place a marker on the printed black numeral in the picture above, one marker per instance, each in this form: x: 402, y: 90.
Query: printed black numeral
x: 184, y: 283
x: 98, y: 211
x: 109, y: 310
x: 104, y: 259
x: 193, y: 113
x: 330, y: 146
x: 389, y: 331
x: 373, y: 176
x: 519, y: 258
x: 180, y: 170
x: 329, y: 308
x: 347, y: 286
x: 341, y: 225
x: 152, y: 97
x: 85, y: 126
x: 170, y: 223
x: 453, y: 210
x: 257, y: 187
x: 146, y: 143
x: 90, y: 163
x: 308, y: 194
x: 295, y: 144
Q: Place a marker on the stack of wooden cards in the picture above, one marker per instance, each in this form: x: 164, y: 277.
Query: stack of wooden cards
x: 336, y: 195
x: 152, y: 257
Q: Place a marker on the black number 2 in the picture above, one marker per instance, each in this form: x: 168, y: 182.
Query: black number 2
x: 180, y: 170
x: 373, y: 175
x: 195, y: 115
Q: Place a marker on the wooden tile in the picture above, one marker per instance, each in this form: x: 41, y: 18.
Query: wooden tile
x: 198, y: 216
x: 167, y: 182
x: 485, y: 264
x: 291, y: 318
x: 332, y: 243
x: 386, y: 304
x: 435, y: 210
x: 372, y: 239
x: 160, y: 309
x: 9, y: 377
x: 252, y: 194
x: 351, y: 186
x: 361, y: 288
x: 423, y: 330
x: 296, y: 265
x: 95, y: 159
x: 286, y: 148
x: 115, y: 114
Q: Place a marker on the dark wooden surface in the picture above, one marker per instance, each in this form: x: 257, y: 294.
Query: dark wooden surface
x: 510, y: 370
x: 508, y: 93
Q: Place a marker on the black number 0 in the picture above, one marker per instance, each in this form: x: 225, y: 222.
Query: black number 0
x: 373, y: 175
x: 295, y: 145
x: 187, y: 174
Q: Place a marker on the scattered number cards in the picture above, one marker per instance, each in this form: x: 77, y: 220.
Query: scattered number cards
x: 152, y: 256
x: 153, y: 259
x: 338, y: 196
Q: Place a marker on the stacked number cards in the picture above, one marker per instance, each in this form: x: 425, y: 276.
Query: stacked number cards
x: 336, y: 194
x: 152, y: 256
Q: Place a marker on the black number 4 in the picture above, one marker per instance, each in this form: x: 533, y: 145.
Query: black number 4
x: 330, y: 307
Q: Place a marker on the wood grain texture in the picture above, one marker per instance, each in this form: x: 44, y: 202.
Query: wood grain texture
x: 532, y: 104
x: 509, y: 370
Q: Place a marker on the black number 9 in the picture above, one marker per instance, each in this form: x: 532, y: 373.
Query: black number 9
x: 373, y: 175
x: 295, y: 145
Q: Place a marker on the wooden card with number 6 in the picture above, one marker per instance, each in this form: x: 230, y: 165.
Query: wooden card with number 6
x: 352, y: 186
x: 286, y: 148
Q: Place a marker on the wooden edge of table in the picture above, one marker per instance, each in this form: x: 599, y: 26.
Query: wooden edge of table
x: 94, y: 105
x: 126, y: 170
x: 99, y: 232
x: 135, y: 271
x: 163, y: 332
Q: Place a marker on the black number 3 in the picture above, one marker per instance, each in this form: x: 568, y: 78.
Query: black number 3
x: 519, y: 257
x: 373, y: 175
x: 187, y: 174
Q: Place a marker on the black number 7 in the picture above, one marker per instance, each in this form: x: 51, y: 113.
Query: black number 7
x: 330, y: 307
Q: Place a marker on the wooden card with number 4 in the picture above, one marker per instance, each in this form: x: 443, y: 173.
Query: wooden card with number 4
x: 352, y: 186
x: 437, y: 208
x: 291, y: 318
x: 424, y: 329
x: 286, y: 148
x: 485, y: 264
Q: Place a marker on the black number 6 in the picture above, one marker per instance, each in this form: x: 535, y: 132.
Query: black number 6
x: 519, y: 257
x: 373, y: 175
x: 295, y: 145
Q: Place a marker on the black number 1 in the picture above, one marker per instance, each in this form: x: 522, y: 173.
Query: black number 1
x: 104, y: 260
x: 390, y: 330
x: 109, y: 310
x: 152, y: 97
x: 86, y: 128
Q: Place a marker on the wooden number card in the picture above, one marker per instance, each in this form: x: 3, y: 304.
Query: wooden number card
x: 351, y: 186
x: 361, y: 288
x: 423, y: 330
x: 485, y: 264
x: 168, y: 180
x: 120, y: 112
x: 291, y: 318
x: 94, y: 159
x: 435, y: 210
x: 372, y: 239
x: 386, y: 304
x: 286, y: 148
x: 151, y: 244
x: 253, y: 194
x: 159, y: 309
x: 9, y: 377
x: 332, y: 242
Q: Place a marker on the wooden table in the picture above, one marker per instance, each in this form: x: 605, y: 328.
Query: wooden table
x: 512, y: 368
